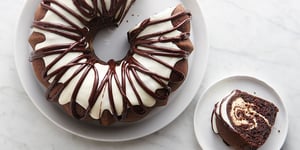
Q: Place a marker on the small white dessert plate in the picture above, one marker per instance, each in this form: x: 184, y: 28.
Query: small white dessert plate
x: 158, y: 118
x: 208, y: 140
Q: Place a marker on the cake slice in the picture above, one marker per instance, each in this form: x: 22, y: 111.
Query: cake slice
x: 243, y: 121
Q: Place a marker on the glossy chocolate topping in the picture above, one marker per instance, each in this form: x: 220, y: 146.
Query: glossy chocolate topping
x: 95, y: 19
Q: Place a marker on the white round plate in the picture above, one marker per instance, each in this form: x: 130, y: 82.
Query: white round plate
x: 202, y: 117
x: 158, y: 118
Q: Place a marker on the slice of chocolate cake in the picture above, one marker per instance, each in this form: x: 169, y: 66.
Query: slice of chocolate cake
x: 243, y: 121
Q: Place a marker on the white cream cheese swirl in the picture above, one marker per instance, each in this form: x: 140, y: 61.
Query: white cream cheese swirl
x: 241, y: 113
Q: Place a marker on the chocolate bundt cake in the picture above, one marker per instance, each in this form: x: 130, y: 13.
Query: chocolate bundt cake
x: 88, y: 88
x: 243, y: 121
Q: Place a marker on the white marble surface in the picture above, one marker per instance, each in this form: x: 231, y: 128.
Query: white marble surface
x: 254, y: 37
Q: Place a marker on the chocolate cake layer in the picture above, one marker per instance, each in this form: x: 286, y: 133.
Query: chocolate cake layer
x: 244, y: 121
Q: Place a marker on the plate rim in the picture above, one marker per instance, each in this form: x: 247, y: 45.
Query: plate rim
x: 244, y: 76
x: 60, y: 125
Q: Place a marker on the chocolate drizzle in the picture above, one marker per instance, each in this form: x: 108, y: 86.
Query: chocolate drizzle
x: 242, y: 120
x: 94, y: 18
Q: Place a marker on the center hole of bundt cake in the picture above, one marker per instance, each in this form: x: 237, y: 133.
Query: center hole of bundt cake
x: 111, y: 43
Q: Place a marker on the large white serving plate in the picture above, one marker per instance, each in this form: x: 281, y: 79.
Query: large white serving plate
x: 202, y: 117
x: 116, y: 39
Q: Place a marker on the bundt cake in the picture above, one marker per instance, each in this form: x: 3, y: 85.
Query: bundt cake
x: 89, y: 88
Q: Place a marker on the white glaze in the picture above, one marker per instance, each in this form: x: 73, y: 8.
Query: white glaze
x: 151, y: 64
x: 51, y: 39
x: 107, y: 4
x: 102, y: 102
x: 164, y: 26
x: 214, y: 121
x: 223, y: 109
